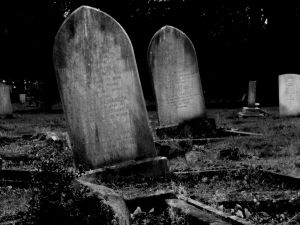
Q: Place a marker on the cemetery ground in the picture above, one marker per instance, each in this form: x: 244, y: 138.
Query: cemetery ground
x: 250, y: 176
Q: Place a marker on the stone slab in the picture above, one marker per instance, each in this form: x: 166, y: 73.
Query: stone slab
x: 150, y: 167
x: 5, y: 102
x: 252, y: 93
x: 109, y: 197
x: 252, y: 112
x: 173, y: 64
x: 100, y: 90
x: 289, y: 94
x: 225, y: 216
x: 199, y: 216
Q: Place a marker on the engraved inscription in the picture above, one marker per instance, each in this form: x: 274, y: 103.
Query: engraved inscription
x: 290, y: 90
x: 289, y: 104
x: 98, y: 90
x: 176, y: 77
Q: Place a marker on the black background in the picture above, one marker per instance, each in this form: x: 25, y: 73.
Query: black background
x: 236, y: 41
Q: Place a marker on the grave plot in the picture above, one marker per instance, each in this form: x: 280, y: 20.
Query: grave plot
x: 26, y: 144
x: 181, y: 111
x: 270, y: 152
x: 245, y: 196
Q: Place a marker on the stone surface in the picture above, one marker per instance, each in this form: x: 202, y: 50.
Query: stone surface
x: 252, y: 112
x: 5, y: 102
x: 112, y: 199
x: 173, y: 64
x: 252, y: 94
x: 22, y: 98
x: 289, y: 94
x: 101, y: 91
x: 157, y: 166
x: 198, y: 216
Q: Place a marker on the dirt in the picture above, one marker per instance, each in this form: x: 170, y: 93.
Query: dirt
x: 277, y: 150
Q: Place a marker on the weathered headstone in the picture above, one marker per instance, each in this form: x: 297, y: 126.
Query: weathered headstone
x: 252, y: 94
x: 173, y: 64
x: 5, y: 102
x: 289, y: 94
x: 22, y: 98
x: 100, y: 91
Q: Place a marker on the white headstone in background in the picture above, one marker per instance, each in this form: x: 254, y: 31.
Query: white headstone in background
x: 5, y: 102
x: 289, y: 94
x: 22, y: 98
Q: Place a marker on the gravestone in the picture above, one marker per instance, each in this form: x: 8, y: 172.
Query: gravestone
x: 22, y: 98
x: 252, y: 110
x: 100, y: 91
x: 252, y: 93
x: 173, y: 64
x: 289, y: 94
x: 5, y: 102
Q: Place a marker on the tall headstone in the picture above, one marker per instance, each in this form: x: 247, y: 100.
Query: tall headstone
x: 173, y: 64
x: 289, y: 94
x: 252, y: 93
x: 100, y: 90
x: 5, y: 102
x: 252, y: 110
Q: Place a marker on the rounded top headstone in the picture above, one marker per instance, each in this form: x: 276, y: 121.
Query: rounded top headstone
x: 174, y: 68
x: 100, y: 90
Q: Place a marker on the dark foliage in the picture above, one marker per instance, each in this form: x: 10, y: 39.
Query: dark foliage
x: 58, y: 199
x: 235, y: 40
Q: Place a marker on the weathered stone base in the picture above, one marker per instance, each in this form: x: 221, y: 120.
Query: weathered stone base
x: 251, y: 112
x: 196, y: 128
x: 113, y: 200
x: 151, y: 167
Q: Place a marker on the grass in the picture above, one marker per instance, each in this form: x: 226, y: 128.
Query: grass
x: 277, y: 150
x: 13, y: 201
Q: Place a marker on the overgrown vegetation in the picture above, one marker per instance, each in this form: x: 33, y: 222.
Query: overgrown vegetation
x: 57, y: 198
x: 277, y: 150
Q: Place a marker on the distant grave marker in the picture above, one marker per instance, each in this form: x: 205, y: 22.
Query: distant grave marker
x: 252, y: 93
x: 22, y: 98
x: 289, y: 94
x: 101, y: 91
x: 173, y: 64
x: 5, y: 102
x: 252, y: 110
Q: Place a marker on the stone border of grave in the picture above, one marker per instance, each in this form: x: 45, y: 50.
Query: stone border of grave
x: 151, y: 167
x: 198, y: 210
x: 109, y: 197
